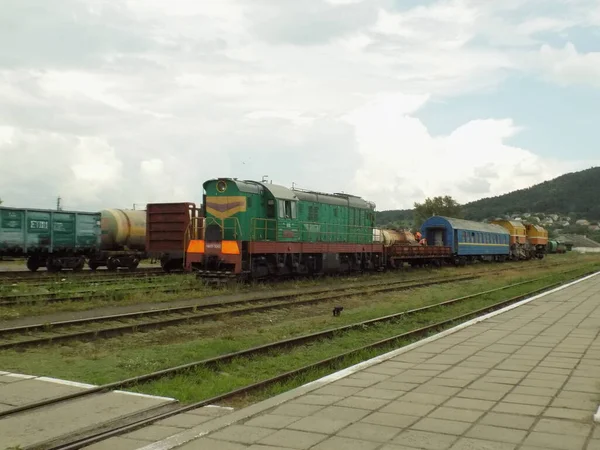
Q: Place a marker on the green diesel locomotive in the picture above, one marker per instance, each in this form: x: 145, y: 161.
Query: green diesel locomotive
x: 255, y: 230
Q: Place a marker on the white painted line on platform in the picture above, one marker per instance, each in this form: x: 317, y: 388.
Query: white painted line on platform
x: 139, y: 394
x: 597, y: 415
x: 20, y: 375
x: 66, y: 382
x: 83, y: 385
x: 252, y: 410
x: 228, y: 408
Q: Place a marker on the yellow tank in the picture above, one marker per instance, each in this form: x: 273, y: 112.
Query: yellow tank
x: 123, y: 229
x: 393, y: 237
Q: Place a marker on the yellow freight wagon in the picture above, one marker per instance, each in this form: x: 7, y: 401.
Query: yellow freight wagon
x: 518, y: 233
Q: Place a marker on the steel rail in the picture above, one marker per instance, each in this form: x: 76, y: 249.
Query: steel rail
x: 55, y: 297
x: 92, y: 280
x: 193, y: 317
x: 9, y: 276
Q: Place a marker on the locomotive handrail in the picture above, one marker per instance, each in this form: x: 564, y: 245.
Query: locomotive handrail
x: 264, y: 228
x: 312, y: 231
x: 235, y: 228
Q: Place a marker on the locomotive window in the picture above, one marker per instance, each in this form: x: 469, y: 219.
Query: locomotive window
x: 281, y: 207
x: 288, y: 209
x: 270, y: 209
x: 293, y: 209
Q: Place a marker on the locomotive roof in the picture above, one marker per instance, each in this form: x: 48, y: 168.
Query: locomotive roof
x: 468, y: 225
x: 514, y: 223
x: 535, y: 227
x: 254, y: 187
x: 284, y: 193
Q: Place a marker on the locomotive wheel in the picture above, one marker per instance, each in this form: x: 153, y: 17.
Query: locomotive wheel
x: 33, y: 264
x: 112, y: 265
x: 133, y: 265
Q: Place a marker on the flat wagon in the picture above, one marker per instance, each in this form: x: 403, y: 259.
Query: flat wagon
x: 54, y: 239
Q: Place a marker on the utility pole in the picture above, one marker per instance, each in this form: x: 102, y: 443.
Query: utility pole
x: 58, y: 205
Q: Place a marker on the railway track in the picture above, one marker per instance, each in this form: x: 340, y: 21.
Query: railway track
x: 330, y: 363
x: 96, y: 293
x: 93, y: 281
x: 188, y: 314
x: 14, y: 276
x: 51, y: 297
x: 130, y: 322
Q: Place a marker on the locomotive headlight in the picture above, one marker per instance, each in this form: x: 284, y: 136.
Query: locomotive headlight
x: 221, y: 186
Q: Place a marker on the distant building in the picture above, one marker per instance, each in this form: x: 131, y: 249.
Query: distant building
x: 582, y: 222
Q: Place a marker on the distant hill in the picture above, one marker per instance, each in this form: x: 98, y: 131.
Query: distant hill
x: 575, y: 194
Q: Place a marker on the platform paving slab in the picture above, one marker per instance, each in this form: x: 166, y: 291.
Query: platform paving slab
x: 55, y: 421
x: 521, y: 379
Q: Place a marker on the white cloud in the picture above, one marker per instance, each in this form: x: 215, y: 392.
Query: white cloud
x: 113, y: 102
x: 568, y: 66
x: 402, y: 163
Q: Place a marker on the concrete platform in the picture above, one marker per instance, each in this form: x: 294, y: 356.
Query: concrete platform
x: 526, y: 377
x: 54, y: 422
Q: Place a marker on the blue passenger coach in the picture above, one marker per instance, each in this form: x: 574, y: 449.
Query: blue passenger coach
x: 469, y: 240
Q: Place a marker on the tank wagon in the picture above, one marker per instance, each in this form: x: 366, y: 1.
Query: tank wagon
x: 52, y: 239
x: 123, y: 239
x: 470, y: 241
x: 259, y: 230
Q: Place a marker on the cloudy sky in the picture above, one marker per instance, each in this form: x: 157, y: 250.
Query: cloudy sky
x: 108, y: 103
